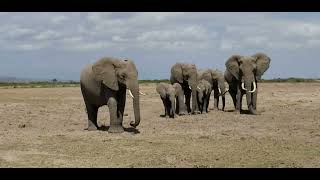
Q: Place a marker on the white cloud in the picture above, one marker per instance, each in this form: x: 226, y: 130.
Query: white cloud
x: 47, y: 35
x: 59, y: 19
x: 160, y: 31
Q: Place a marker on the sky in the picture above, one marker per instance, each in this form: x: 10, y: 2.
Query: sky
x: 47, y: 45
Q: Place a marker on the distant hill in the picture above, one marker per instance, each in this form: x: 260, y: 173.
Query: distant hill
x: 18, y: 79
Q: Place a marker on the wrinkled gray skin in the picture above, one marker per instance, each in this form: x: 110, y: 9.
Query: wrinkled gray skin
x: 105, y: 83
x: 168, y: 94
x: 216, y: 80
x: 186, y: 75
x: 203, y: 95
x: 247, y: 70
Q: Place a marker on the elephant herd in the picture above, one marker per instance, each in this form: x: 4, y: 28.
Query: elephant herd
x: 106, y: 82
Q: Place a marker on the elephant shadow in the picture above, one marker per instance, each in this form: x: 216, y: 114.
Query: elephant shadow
x: 129, y: 129
x: 243, y: 111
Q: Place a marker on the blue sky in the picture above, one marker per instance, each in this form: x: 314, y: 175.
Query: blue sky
x: 58, y: 45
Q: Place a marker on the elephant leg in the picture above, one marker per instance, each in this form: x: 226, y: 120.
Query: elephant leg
x: 92, y: 117
x: 121, y: 104
x: 238, y: 100
x: 216, y: 100
x: 234, y: 97
x: 187, y: 93
x: 182, y: 106
x: 223, y: 102
x: 205, y: 103
x: 115, y: 122
x: 165, y: 107
x: 177, y: 105
x: 208, y: 101
x: 195, y: 107
x: 240, y: 107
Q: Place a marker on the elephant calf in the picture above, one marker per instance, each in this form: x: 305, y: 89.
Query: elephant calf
x: 203, y: 95
x: 105, y: 83
x: 217, y: 82
x: 169, y: 93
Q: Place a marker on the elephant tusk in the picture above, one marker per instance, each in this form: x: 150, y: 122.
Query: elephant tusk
x: 219, y: 90
x: 197, y: 87
x: 242, y: 85
x: 142, y: 93
x: 131, y: 94
x: 254, y: 87
x: 190, y: 87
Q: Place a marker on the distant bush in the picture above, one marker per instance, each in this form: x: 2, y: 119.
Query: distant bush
x: 154, y: 81
x: 52, y: 84
x: 291, y: 79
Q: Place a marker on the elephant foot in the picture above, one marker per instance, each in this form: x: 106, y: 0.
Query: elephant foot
x: 237, y: 111
x: 254, y: 112
x: 91, y: 128
x: 196, y: 112
x: 115, y: 129
x: 182, y: 113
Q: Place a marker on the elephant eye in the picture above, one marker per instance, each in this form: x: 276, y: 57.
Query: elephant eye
x: 123, y: 76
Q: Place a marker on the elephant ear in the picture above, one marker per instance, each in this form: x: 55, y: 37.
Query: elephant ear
x: 104, y: 70
x: 263, y: 63
x: 161, y: 89
x: 232, y: 65
x: 176, y: 72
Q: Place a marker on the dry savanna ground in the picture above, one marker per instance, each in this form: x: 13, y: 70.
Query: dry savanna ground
x: 44, y: 127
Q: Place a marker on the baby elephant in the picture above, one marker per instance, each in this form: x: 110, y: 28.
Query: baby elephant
x: 203, y: 95
x: 169, y: 93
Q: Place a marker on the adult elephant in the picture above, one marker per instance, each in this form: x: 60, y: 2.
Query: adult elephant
x: 217, y: 82
x: 105, y: 83
x: 186, y: 75
x: 242, y: 73
x: 168, y: 94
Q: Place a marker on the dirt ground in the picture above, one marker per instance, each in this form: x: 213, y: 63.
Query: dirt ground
x: 44, y: 127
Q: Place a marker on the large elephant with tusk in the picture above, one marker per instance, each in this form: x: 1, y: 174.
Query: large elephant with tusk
x: 105, y: 83
x: 242, y: 73
x: 217, y: 82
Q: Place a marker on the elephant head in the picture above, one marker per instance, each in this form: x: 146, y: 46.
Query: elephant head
x: 247, y: 70
x: 113, y: 72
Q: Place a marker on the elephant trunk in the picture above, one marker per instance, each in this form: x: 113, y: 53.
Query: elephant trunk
x: 136, y: 103
x: 194, y: 99
x: 249, y: 96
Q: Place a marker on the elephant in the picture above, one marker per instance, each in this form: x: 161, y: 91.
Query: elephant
x: 203, y: 95
x: 242, y: 73
x: 105, y: 83
x: 186, y: 75
x: 168, y: 94
x: 217, y: 82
